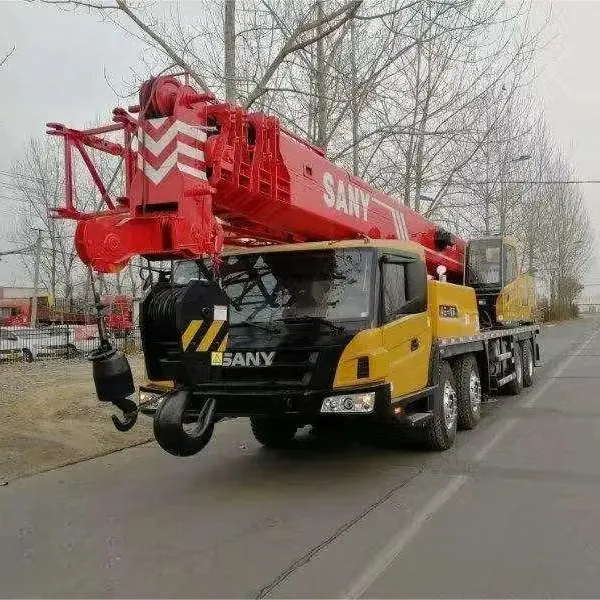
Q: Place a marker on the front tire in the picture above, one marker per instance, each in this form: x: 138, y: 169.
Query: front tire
x: 273, y: 432
x: 468, y: 392
x: 440, y: 432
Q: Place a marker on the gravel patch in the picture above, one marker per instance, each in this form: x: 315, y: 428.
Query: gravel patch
x: 49, y: 416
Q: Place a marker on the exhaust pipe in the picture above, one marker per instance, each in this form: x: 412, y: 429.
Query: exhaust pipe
x: 169, y: 421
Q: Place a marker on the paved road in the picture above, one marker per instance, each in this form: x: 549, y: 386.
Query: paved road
x: 512, y: 510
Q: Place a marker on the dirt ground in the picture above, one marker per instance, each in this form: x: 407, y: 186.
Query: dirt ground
x: 49, y: 416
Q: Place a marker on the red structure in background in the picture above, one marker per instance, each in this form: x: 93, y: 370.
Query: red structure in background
x: 200, y: 174
x: 119, y: 319
x: 17, y: 312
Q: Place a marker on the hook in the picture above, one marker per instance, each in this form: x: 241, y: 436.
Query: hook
x: 130, y: 414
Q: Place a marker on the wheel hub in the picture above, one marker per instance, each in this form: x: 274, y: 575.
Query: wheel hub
x: 450, y: 406
x: 475, y: 392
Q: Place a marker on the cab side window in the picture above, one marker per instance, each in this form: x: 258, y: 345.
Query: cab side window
x: 394, y: 290
x: 510, y: 264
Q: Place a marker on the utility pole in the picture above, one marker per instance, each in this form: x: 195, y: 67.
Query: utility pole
x: 36, y: 278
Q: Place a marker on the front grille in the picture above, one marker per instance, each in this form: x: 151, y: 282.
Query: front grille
x: 290, y: 368
x: 301, y: 362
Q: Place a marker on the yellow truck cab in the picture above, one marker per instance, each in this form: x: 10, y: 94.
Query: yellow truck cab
x: 325, y: 332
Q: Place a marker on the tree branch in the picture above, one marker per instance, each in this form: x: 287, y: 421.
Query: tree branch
x: 83, y: 3
x: 178, y: 60
x: 293, y: 45
x: 7, y: 55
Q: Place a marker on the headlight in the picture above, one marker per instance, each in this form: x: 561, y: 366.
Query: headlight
x: 349, y: 403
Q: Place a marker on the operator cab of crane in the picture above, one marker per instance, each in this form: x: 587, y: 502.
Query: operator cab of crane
x: 504, y: 295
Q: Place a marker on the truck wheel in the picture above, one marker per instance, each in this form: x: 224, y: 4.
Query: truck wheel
x: 440, y: 431
x: 515, y: 386
x: 468, y: 391
x: 273, y: 432
x: 527, y: 359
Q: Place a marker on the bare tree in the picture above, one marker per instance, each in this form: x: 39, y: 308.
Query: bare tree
x: 37, y: 183
x: 38, y: 187
x: 428, y: 100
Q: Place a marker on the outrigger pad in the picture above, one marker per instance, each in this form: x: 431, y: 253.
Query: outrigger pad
x: 202, y: 315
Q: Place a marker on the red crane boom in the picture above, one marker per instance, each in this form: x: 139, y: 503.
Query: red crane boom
x: 200, y: 174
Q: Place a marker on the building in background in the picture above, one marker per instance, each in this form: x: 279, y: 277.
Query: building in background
x: 15, y: 304
x: 16, y: 309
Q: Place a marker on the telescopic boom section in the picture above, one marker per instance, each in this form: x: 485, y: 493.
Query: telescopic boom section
x: 200, y: 174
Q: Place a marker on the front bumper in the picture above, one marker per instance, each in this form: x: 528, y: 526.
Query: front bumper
x: 280, y: 403
x: 290, y: 403
x: 303, y: 405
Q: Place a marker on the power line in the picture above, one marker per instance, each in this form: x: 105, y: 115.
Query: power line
x: 530, y: 182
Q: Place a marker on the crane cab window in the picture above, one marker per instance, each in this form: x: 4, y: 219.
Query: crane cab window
x: 484, y: 267
x: 491, y: 263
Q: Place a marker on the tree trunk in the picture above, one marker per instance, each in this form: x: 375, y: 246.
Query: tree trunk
x: 354, y: 99
x: 420, y: 154
x: 320, y: 83
x: 229, y: 38
x: 412, y: 136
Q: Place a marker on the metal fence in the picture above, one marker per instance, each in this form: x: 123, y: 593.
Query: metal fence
x: 57, y: 342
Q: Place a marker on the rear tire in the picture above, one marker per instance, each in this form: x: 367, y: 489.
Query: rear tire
x: 527, y: 360
x: 440, y: 432
x: 515, y: 386
x: 468, y: 392
x: 273, y: 432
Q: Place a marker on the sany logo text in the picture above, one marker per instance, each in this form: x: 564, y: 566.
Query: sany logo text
x: 345, y: 197
x: 247, y: 359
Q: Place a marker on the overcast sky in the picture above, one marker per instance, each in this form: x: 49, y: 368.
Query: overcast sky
x: 57, y: 73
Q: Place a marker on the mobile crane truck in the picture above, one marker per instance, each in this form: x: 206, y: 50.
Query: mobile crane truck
x: 294, y: 292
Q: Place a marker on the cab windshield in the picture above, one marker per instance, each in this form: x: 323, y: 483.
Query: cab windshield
x: 268, y: 287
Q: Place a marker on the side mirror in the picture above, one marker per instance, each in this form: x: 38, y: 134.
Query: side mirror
x: 416, y: 287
